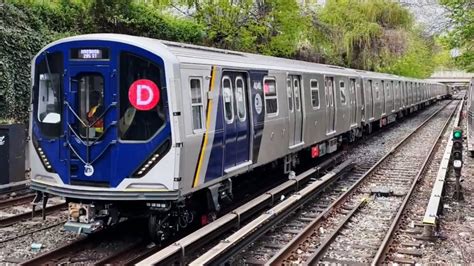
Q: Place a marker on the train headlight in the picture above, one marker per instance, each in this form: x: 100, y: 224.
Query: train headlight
x: 152, y: 160
x: 43, y: 157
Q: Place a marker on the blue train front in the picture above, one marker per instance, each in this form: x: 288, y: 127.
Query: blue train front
x: 100, y: 128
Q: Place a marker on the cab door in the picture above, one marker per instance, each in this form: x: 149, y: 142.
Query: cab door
x: 90, y: 109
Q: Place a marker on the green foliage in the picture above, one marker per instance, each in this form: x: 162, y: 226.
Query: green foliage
x: 373, y: 35
x: 21, y: 36
x: 461, y: 36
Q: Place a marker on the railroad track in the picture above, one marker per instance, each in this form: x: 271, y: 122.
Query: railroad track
x: 407, y: 245
x: 187, y: 248
x: 7, y: 221
x: 352, y: 206
x: 15, y: 201
x: 364, y: 218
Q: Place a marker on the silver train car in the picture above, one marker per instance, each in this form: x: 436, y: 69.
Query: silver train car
x: 124, y: 125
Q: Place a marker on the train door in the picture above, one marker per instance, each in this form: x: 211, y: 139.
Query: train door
x: 330, y: 92
x: 371, y: 99
x: 353, y: 102
x: 362, y: 98
x: 384, y: 97
x: 236, y: 117
x: 394, y: 95
x: 295, y: 109
x: 89, y: 109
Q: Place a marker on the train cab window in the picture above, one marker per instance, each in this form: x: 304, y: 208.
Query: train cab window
x: 91, y: 105
x: 314, y: 93
x: 240, y: 98
x: 270, y: 92
x: 289, y: 94
x: 342, y: 87
x: 197, y: 103
x: 228, y: 99
x: 137, y: 124
x: 49, y: 86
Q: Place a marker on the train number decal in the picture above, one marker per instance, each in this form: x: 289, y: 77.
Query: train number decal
x: 144, y: 94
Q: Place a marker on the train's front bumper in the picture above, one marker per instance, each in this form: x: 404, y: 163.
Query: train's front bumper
x: 48, y: 185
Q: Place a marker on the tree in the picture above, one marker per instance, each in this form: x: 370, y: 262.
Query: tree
x: 461, y: 36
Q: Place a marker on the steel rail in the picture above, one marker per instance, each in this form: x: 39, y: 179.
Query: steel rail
x: 220, y: 253
x: 381, y: 252
x: 179, y: 249
x: 16, y: 201
x: 23, y: 216
x: 323, y: 247
x: 281, y: 256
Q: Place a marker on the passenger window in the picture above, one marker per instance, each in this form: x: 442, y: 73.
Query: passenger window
x: 330, y: 90
x: 342, y: 87
x: 136, y: 124
x: 290, y: 95
x: 228, y: 99
x: 240, y: 97
x: 353, y: 92
x: 314, y: 93
x: 270, y: 92
x: 297, y: 94
x: 377, y: 94
x: 197, y: 103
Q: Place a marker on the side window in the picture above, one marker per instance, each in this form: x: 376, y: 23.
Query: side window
x: 240, y: 98
x: 342, y: 87
x: 387, y: 87
x: 197, y: 103
x: 296, y: 89
x: 271, y: 99
x: 289, y: 94
x: 377, y: 93
x: 228, y: 99
x: 314, y: 93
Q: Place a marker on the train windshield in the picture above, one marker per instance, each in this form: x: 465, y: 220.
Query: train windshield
x: 49, y: 85
x: 138, y: 124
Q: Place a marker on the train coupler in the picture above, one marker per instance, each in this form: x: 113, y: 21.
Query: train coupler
x: 89, y: 218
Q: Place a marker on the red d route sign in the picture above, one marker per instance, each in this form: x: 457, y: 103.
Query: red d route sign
x: 143, y: 94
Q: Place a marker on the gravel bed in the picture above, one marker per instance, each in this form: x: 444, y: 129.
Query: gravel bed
x: 365, y: 153
x: 359, y: 240
x: 21, y: 249
x: 23, y: 208
x: 407, y: 236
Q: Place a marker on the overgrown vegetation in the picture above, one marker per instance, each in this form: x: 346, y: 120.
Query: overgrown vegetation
x: 377, y: 35
x: 461, y: 37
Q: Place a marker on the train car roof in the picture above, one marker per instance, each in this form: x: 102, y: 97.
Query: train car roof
x: 194, y: 54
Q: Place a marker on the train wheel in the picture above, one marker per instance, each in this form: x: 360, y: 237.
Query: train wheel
x: 158, y: 228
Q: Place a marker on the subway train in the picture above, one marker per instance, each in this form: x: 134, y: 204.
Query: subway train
x: 124, y: 126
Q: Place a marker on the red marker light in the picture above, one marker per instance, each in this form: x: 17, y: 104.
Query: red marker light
x: 144, y: 94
